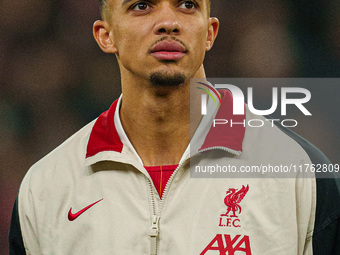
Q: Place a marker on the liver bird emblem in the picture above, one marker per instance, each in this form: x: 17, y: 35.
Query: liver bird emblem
x: 233, y: 199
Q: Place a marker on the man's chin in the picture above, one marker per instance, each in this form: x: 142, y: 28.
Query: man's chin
x: 161, y: 79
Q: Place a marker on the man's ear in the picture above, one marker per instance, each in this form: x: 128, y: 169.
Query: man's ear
x: 101, y: 32
x: 212, y: 32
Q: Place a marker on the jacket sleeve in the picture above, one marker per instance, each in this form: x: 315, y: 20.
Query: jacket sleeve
x: 16, y: 245
x: 25, y: 224
x: 326, y: 237
x: 326, y: 234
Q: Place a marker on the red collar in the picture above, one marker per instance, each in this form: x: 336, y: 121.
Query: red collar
x: 104, y: 136
x: 227, y: 136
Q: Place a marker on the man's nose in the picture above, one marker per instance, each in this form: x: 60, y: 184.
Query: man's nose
x: 167, y: 22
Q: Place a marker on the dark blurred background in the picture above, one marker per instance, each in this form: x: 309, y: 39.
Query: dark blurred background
x: 54, y: 79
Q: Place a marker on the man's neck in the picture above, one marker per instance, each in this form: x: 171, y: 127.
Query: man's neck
x: 158, y: 122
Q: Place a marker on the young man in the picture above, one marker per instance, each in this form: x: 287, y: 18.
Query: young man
x: 122, y: 185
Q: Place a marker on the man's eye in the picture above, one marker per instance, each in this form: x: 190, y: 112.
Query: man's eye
x: 188, y: 5
x: 141, y: 6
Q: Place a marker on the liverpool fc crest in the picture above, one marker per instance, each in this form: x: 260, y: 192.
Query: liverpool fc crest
x: 232, y: 200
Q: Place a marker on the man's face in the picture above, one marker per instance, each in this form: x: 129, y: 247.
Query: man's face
x: 160, y: 40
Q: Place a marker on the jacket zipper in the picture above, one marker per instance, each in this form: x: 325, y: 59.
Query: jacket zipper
x: 235, y: 153
x: 154, y: 230
x: 154, y: 234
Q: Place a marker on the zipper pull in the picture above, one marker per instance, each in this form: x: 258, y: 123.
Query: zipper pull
x: 153, y: 234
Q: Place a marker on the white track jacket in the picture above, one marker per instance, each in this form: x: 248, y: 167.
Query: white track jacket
x: 91, y: 195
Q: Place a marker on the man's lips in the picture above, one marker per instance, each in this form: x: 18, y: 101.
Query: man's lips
x: 166, y: 50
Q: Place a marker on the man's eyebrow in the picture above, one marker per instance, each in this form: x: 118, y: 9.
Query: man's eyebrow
x: 126, y: 1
